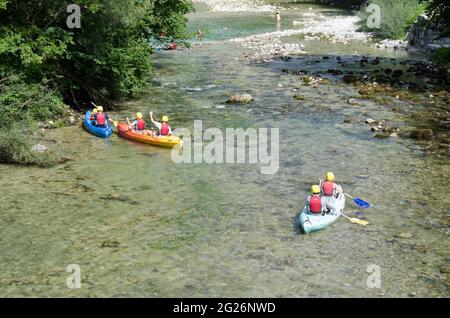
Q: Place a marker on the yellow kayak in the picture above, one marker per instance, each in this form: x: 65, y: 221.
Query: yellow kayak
x: 161, y: 141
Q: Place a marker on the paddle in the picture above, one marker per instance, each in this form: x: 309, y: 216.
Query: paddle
x: 359, y: 202
x: 355, y: 220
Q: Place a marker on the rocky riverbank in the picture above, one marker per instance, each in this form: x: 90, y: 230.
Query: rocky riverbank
x: 416, y: 90
x: 237, y: 5
x: 268, y: 46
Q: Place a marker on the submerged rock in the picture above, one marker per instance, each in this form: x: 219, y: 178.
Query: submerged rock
x: 422, y: 134
x: 110, y: 243
x: 405, y: 235
x: 334, y: 71
x: 349, y: 79
x: 298, y: 97
x: 382, y: 135
x: 348, y: 120
x: 445, y: 269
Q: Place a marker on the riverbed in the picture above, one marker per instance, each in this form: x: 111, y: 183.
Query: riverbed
x: 139, y: 225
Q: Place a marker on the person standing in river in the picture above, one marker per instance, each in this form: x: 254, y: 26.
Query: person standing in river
x: 278, y: 20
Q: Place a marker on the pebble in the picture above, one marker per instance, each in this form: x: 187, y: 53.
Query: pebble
x: 405, y: 235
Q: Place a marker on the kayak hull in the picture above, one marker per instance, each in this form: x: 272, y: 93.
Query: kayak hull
x: 104, y: 132
x: 314, y: 222
x: 161, y: 141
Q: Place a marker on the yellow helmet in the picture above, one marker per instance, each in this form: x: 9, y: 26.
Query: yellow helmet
x: 95, y: 111
x: 100, y: 108
x: 315, y: 189
x: 329, y: 176
x: 139, y: 115
x: 165, y: 118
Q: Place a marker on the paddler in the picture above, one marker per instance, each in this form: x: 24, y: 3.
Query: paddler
x: 93, y: 112
x: 163, y: 128
x: 314, y: 201
x: 328, y: 187
x: 138, y: 125
x: 100, y: 118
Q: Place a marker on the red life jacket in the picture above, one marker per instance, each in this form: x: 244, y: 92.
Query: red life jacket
x: 165, y: 129
x: 140, y: 124
x: 328, y: 188
x: 315, y: 204
x: 101, y: 119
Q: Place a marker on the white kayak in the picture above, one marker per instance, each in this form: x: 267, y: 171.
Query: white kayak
x: 310, y: 222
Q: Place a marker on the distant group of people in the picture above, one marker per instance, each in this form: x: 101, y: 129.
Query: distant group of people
x: 100, y: 119
x: 326, y: 188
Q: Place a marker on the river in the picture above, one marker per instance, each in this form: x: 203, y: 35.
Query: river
x: 139, y: 225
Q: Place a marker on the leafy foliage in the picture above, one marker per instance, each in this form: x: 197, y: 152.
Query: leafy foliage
x: 397, y: 16
x: 21, y: 103
x: 439, y: 10
x: 108, y: 58
x: 441, y: 56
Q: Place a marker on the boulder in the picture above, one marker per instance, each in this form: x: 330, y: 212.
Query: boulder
x: 240, y: 99
x: 426, y: 36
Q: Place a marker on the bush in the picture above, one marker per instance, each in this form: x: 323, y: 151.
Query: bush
x: 21, y: 106
x: 15, y: 147
x: 23, y: 103
x: 441, y: 56
x: 439, y: 11
x: 397, y: 16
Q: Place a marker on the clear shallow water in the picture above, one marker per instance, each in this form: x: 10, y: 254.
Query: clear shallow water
x: 140, y: 225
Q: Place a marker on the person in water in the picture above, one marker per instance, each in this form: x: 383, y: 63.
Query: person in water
x: 314, y: 201
x: 328, y: 187
x: 138, y: 125
x: 100, y: 118
x: 163, y: 128
x: 278, y: 17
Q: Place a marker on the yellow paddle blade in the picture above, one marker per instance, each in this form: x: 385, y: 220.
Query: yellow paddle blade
x: 355, y: 220
x: 115, y: 123
x: 358, y: 221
